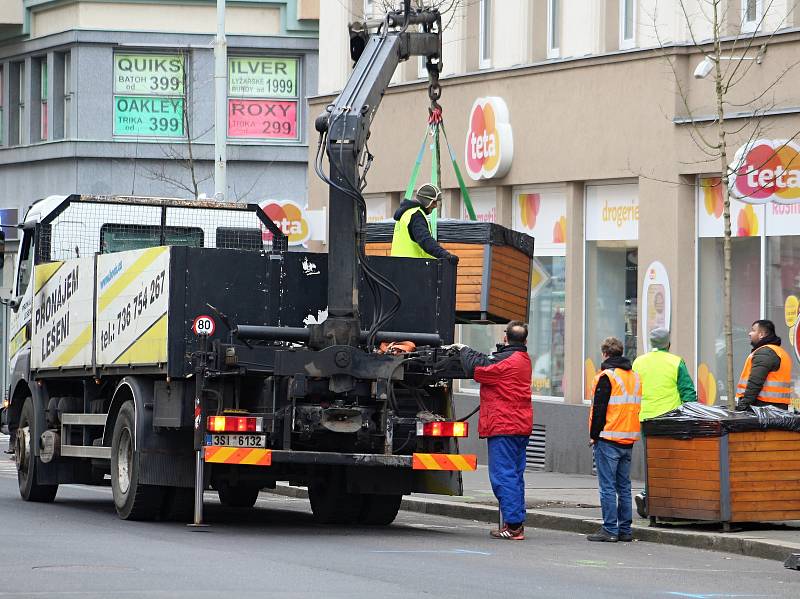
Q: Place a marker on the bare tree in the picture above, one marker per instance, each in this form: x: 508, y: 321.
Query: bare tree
x: 730, y: 52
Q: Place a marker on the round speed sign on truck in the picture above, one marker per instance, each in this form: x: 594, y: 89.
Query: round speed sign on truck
x: 203, y: 325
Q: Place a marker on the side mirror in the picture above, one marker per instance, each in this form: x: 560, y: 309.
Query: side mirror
x: 14, y: 303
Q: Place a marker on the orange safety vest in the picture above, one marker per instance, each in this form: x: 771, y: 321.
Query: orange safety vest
x: 622, y: 414
x: 778, y: 384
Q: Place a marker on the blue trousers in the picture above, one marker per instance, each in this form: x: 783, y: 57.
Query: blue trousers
x: 506, y: 470
x: 614, y: 478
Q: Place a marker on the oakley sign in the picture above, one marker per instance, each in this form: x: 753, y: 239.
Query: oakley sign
x: 766, y: 171
x: 489, y: 146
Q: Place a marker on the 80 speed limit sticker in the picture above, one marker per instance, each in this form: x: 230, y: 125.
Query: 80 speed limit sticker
x: 203, y: 325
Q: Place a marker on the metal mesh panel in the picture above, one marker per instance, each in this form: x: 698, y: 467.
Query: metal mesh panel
x: 85, y: 226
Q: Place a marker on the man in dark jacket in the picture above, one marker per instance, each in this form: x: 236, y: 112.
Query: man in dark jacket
x: 766, y: 379
x: 412, y: 234
x: 506, y: 420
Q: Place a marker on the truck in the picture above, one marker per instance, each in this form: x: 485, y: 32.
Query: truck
x: 177, y: 346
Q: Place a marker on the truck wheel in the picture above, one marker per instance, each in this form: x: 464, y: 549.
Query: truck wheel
x: 27, y: 462
x: 379, y: 510
x: 241, y: 495
x: 330, y: 501
x: 133, y: 500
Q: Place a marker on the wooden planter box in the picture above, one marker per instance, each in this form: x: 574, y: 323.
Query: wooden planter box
x: 739, y: 477
x: 493, y: 281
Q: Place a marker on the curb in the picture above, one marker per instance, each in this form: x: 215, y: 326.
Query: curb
x: 772, y: 550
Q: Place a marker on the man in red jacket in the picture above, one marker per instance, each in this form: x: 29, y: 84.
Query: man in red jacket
x: 506, y: 420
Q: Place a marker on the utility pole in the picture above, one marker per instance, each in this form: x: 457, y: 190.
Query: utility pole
x: 220, y: 105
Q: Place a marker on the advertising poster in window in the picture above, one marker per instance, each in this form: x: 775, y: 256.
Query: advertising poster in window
x: 542, y: 214
x: 263, y: 98
x: 747, y: 220
x: 149, y: 98
x: 612, y: 212
x: 658, y: 301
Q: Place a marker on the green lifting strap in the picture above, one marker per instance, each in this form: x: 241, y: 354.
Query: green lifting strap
x: 435, y: 175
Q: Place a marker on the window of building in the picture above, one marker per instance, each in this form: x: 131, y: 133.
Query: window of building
x: 67, y: 93
x: 43, y: 109
x: 752, y: 13
x: 553, y: 26
x: 485, y: 34
x: 627, y: 24
x: 16, y: 103
x: 783, y: 289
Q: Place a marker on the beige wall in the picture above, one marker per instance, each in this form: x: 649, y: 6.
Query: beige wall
x: 11, y: 12
x: 253, y: 20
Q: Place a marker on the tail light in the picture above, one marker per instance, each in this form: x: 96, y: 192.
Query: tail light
x: 442, y: 429
x: 235, y: 424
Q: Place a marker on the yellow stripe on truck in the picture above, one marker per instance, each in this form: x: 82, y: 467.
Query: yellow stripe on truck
x: 150, y: 347
x: 72, y: 350
x: 43, y: 273
x: 146, y: 259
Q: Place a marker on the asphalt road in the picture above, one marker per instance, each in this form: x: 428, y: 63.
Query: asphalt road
x: 77, y: 547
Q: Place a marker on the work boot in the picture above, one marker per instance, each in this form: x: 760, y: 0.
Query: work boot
x: 625, y: 537
x: 603, y: 537
x: 641, y: 504
x: 512, y: 534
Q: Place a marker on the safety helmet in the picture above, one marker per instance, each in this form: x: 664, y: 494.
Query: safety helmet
x: 428, y: 194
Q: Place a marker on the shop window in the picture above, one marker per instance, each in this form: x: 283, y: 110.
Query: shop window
x: 752, y: 13
x: 745, y: 285
x: 611, y: 299
x: 627, y: 22
x: 783, y: 289
x: 546, y: 326
x: 485, y: 34
x: 553, y: 27
x: 2, y: 103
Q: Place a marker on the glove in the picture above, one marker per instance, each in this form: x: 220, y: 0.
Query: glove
x: 453, y: 259
x: 456, y: 346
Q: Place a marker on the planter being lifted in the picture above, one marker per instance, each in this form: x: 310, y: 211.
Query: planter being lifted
x: 706, y: 463
x: 494, y: 269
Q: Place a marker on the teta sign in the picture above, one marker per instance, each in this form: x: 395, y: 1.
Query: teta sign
x: 489, y: 146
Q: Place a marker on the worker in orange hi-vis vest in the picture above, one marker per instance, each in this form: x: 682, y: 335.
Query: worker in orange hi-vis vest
x: 613, y: 429
x: 766, y: 378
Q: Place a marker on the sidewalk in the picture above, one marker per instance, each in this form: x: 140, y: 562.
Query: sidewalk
x: 570, y: 502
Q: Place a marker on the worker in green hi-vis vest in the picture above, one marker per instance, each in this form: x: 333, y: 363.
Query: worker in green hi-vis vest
x: 412, y: 232
x: 666, y: 385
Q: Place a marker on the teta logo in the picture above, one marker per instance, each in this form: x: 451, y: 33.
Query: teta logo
x: 290, y: 219
x: 489, y: 146
x: 766, y: 170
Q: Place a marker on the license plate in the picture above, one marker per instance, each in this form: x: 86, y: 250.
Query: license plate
x: 236, y: 440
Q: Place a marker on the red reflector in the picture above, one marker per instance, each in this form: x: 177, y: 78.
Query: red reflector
x: 443, y: 429
x: 233, y: 424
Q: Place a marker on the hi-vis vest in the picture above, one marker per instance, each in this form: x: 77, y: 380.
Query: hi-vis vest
x: 622, y: 414
x: 402, y: 244
x: 659, y: 372
x: 778, y: 384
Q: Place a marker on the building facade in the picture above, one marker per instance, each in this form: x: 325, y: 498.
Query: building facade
x: 608, y: 113
x: 117, y: 97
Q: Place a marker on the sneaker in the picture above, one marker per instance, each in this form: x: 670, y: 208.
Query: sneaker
x: 513, y: 534
x: 625, y: 537
x: 603, y: 537
x: 641, y: 504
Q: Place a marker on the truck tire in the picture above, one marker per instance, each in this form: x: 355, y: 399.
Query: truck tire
x: 379, y: 510
x: 133, y: 500
x: 330, y: 501
x: 241, y: 495
x: 27, y: 462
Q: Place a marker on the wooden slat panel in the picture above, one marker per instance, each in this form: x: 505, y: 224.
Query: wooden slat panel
x: 452, y: 247
x: 654, y: 483
x: 765, y: 516
x: 504, y: 310
x: 476, y: 289
x: 683, y: 465
x: 775, y: 506
x: 519, y: 275
x: 765, y: 485
x: 470, y: 261
x: 771, y: 495
x: 680, y: 454
x: 777, y: 475
x: 514, y: 261
x: 469, y: 271
x: 501, y: 278
x: 468, y: 306
x: 711, y: 444
x: 739, y: 447
x: 680, y: 502
x: 509, y: 252
x: 737, y: 466
x: 684, y: 474
x: 685, y: 513
x: 499, y: 293
x: 737, y: 438
x: 767, y: 456
x: 469, y: 279
x: 683, y: 493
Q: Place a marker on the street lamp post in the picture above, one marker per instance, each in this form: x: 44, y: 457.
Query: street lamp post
x: 220, y: 104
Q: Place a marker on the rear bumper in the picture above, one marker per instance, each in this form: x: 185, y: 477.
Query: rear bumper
x: 268, y: 457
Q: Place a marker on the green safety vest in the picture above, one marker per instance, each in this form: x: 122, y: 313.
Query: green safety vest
x: 402, y: 244
x: 658, y: 370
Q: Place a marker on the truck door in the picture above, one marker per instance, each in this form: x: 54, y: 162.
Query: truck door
x: 19, y: 322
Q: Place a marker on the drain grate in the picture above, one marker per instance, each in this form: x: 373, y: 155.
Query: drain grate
x: 535, y: 452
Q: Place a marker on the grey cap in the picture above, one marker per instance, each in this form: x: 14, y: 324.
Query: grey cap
x: 659, y: 338
x: 428, y: 194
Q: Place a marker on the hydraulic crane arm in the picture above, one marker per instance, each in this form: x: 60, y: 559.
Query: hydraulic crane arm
x: 345, y: 129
